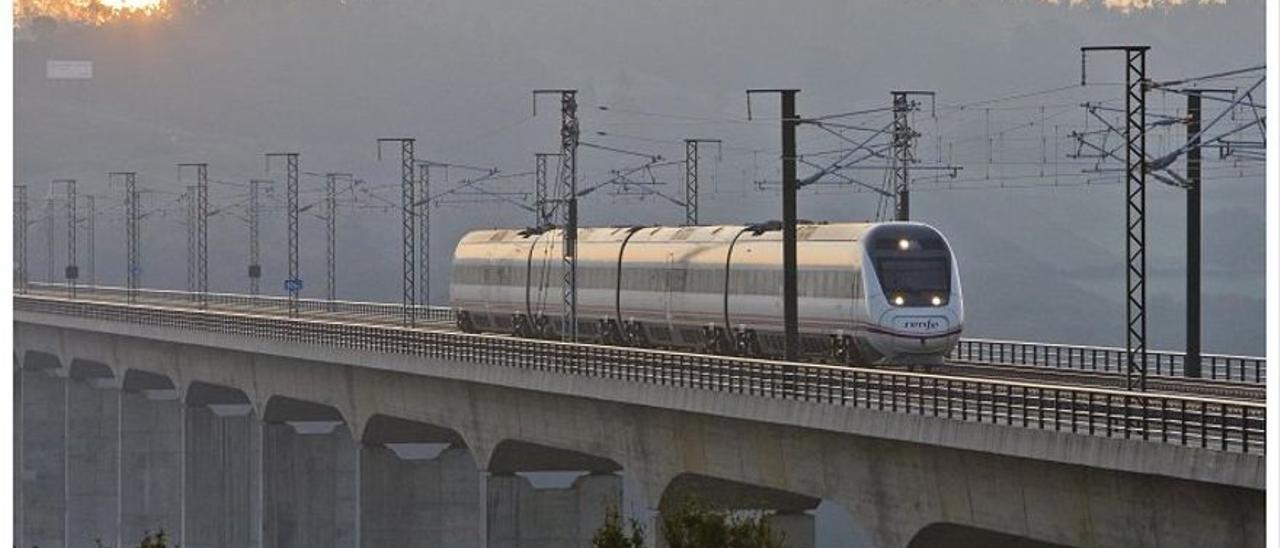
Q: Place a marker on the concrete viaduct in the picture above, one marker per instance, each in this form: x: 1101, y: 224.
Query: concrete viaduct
x: 231, y: 441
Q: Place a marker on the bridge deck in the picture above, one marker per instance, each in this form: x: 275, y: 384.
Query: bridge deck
x: 1226, y: 376
x: 1216, y: 424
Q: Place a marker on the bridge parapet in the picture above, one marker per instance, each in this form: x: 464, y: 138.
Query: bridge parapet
x: 1219, y: 425
x: 1085, y: 358
x: 1224, y: 367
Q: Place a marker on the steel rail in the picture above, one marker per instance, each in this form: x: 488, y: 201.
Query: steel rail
x: 1214, y: 424
x: 1224, y: 367
x: 1100, y: 360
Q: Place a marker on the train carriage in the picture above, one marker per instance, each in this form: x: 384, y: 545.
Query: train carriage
x: 867, y: 292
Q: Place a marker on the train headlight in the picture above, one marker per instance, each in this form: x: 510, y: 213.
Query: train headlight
x: 937, y: 301
x: 898, y: 300
x: 904, y: 244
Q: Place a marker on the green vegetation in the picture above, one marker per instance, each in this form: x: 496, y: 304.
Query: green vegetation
x: 158, y: 540
x: 613, y: 535
x: 692, y: 525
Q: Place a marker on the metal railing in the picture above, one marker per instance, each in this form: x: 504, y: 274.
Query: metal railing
x: 1218, y: 425
x: 260, y: 303
x: 1224, y: 367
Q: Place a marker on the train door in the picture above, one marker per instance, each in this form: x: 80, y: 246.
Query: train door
x: 673, y: 290
x: 491, y: 288
x: 542, y: 280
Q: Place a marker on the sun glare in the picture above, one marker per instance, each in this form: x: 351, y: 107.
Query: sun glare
x: 92, y: 12
x: 1128, y: 6
x: 133, y: 4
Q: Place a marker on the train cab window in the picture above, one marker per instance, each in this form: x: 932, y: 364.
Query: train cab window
x: 912, y: 264
x: 916, y: 280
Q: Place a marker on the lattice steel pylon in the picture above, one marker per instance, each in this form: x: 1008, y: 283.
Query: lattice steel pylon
x: 567, y: 201
x: 331, y: 234
x: 1135, y: 156
x: 132, y: 220
x: 200, y: 232
x: 293, y: 284
x: 20, y: 211
x: 50, y: 224
x: 190, y: 197
x: 90, y: 222
x: 72, y: 270
x: 903, y: 141
x: 255, y: 249
x: 407, y: 226
x: 691, y: 165
x: 540, y: 188
x: 424, y: 233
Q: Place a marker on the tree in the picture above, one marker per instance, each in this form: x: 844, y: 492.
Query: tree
x: 158, y: 540
x: 692, y: 524
x: 613, y: 535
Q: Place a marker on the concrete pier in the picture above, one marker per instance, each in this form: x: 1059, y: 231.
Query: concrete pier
x: 17, y: 452
x: 93, y: 465
x: 310, y: 486
x: 522, y: 516
x: 43, y: 446
x: 795, y: 528
x: 223, y: 477
x: 419, y: 495
x: 151, y: 460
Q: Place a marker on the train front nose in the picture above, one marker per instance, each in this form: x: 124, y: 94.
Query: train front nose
x: 917, y: 335
x: 913, y: 293
x: 920, y: 334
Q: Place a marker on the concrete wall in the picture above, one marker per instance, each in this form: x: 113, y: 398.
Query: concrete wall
x: 418, y: 502
x: 151, y: 462
x: 895, y: 474
x: 310, y: 477
x: 18, y: 472
x: 93, y: 465
x: 43, y: 446
x: 522, y: 516
x: 223, y: 477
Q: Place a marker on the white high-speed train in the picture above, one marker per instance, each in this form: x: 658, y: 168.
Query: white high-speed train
x: 868, y: 292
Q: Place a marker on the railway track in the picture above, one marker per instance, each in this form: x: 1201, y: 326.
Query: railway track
x: 1100, y: 379
x: 383, y: 314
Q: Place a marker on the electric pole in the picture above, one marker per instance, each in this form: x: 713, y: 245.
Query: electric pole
x: 131, y: 225
x: 91, y: 220
x: 331, y: 233
x: 50, y: 225
x: 790, y: 315
x: 293, y: 284
x: 20, y: 229
x: 423, y: 213
x: 1191, y: 366
x: 72, y: 271
x: 191, y: 239
x: 407, y: 228
x: 255, y: 255
x: 691, y: 159
x: 567, y: 193
x: 1135, y: 157
x: 904, y: 138
x: 201, y: 231
x: 540, y: 187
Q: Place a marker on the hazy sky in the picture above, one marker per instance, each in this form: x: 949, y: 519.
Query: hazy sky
x: 227, y: 81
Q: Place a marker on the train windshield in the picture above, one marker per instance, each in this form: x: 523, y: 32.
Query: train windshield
x: 900, y: 275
